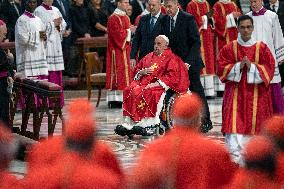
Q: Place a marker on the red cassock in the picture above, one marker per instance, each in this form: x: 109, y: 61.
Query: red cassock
x: 198, y: 9
x: 137, y: 19
x: 183, y: 159
x: 280, y: 168
x: 73, y: 171
x: 8, y: 181
x: 47, y: 153
x: 248, y: 179
x: 224, y: 35
x: 118, y: 70
x: 245, y: 106
x: 139, y: 102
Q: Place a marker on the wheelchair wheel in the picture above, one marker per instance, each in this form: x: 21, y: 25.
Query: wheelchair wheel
x: 169, y: 108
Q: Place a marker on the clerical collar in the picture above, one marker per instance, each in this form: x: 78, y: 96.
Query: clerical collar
x: 29, y: 14
x: 200, y: 1
x: 248, y: 43
x: 260, y: 12
x: 47, y: 7
x: 119, y: 12
x: 225, y: 1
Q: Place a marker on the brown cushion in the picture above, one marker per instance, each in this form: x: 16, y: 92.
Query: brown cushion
x: 29, y: 82
x: 99, y: 78
x: 49, y: 86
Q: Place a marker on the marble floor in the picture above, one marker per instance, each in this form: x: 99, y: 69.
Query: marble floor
x: 106, y: 119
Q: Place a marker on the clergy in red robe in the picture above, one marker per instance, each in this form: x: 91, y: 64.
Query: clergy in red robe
x: 183, y: 158
x: 246, y: 67
x: 200, y: 9
x: 78, y: 127
x: 225, y: 13
x: 118, y: 70
x: 274, y: 130
x: 259, y: 171
x: 155, y: 74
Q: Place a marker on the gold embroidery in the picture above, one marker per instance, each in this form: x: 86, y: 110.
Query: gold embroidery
x: 141, y: 105
x: 154, y: 66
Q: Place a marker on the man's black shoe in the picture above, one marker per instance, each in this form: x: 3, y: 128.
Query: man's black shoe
x: 139, y: 131
x: 120, y: 130
x: 206, y: 126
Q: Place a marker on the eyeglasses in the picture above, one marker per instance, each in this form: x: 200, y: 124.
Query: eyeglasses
x: 245, y: 27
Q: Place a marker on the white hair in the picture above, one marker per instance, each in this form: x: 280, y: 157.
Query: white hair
x: 165, y: 38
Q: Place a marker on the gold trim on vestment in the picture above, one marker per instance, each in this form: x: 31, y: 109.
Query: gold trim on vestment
x: 254, y: 108
x: 235, y: 108
x: 126, y: 68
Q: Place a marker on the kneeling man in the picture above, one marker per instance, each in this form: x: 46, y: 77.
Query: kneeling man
x: 156, y: 73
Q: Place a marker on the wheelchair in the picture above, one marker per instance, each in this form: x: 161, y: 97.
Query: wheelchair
x: 166, y: 118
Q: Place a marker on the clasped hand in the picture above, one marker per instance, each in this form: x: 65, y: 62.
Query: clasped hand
x: 246, y: 62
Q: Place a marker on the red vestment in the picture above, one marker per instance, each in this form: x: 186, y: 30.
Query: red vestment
x: 249, y: 179
x: 73, y: 171
x: 118, y: 70
x: 8, y: 181
x: 139, y: 102
x: 224, y: 34
x: 280, y: 168
x: 137, y: 19
x: 198, y: 9
x: 183, y: 159
x: 48, y: 152
x: 245, y: 106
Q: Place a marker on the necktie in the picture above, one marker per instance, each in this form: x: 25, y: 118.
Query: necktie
x: 273, y: 8
x: 172, y: 24
x: 152, y: 23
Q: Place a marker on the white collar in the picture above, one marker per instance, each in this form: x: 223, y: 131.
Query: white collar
x: 248, y: 43
x: 157, y: 15
x: 175, y: 16
x: 276, y: 4
x: 200, y: 1
x: 225, y: 1
x: 119, y: 12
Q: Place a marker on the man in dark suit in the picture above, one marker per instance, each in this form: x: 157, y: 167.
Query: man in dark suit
x: 148, y: 29
x: 277, y: 6
x: 184, y: 38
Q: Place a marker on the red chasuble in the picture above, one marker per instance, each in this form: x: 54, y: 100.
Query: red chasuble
x: 245, y: 106
x: 224, y: 35
x: 118, y: 71
x: 198, y: 10
x: 249, y: 179
x: 139, y: 102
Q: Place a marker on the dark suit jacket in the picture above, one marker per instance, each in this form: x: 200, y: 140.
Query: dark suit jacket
x: 136, y: 10
x: 184, y: 39
x: 65, y: 15
x: 143, y: 40
x: 10, y: 16
x: 280, y: 13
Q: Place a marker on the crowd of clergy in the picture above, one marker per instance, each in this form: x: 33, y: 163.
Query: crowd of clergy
x: 183, y: 158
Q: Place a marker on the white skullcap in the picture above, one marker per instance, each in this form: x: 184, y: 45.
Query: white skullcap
x: 165, y: 38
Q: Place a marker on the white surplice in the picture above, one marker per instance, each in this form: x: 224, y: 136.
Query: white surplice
x: 31, y: 56
x: 268, y: 30
x: 54, y: 37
